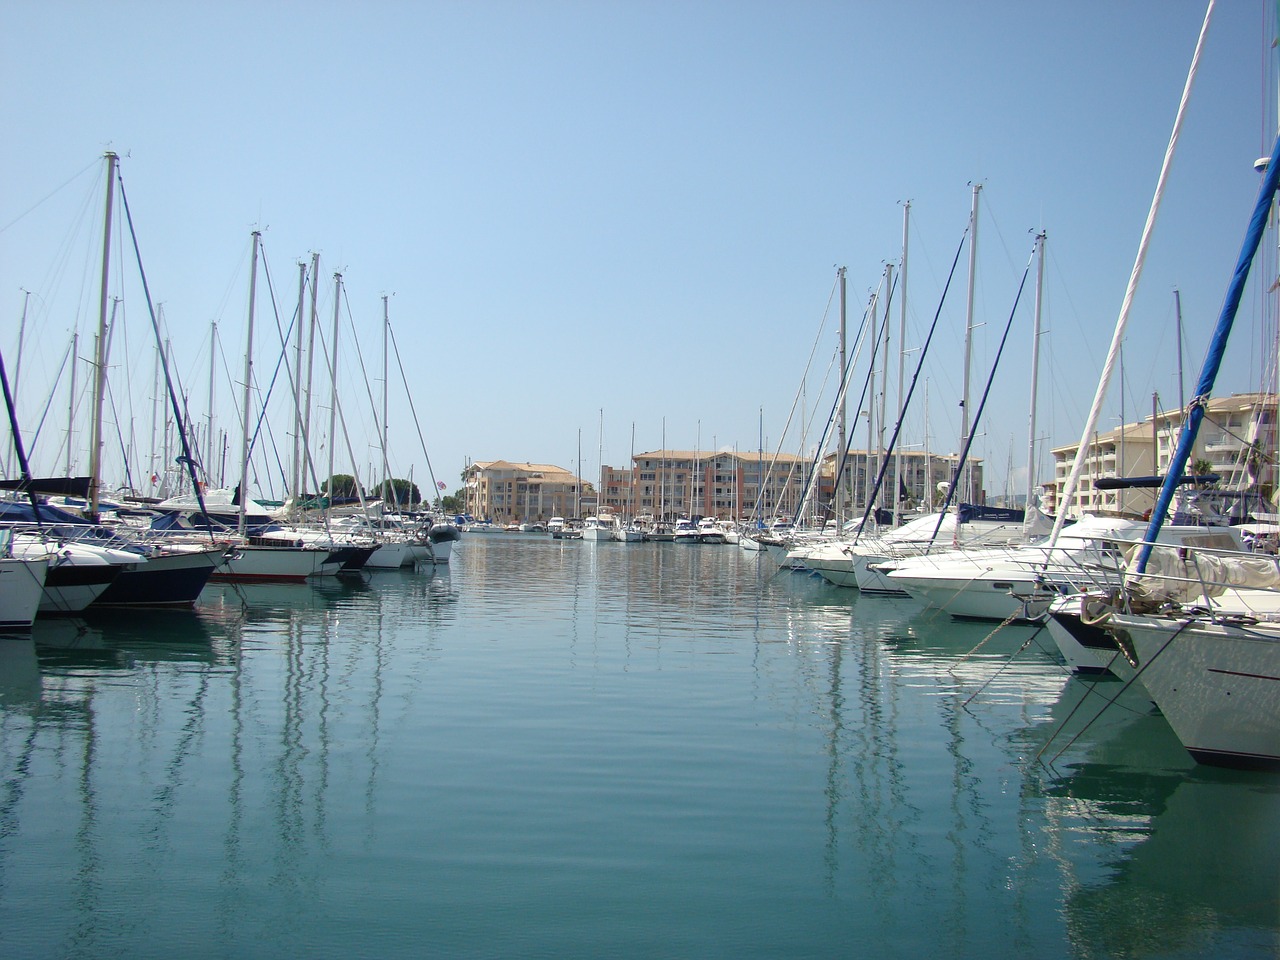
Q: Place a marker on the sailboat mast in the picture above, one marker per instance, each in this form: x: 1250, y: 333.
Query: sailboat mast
x: 386, y: 436
x: 296, y: 478
x: 152, y: 472
x: 311, y: 357
x: 884, y: 372
x: 213, y: 363
x: 17, y: 373
x: 760, y: 477
x: 698, y: 469
x: 333, y: 381
x: 166, y: 355
x: 100, y: 350
x: 928, y: 456
x: 902, y: 356
x: 248, y: 390
x: 871, y: 392
x: 1035, y: 373
x: 71, y: 398
x: 844, y: 408
x: 1177, y: 309
x: 966, y: 476
x: 22, y: 329
x: 662, y: 487
x: 1121, y: 465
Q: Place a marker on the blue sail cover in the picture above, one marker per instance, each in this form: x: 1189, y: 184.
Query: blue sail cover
x: 13, y: 512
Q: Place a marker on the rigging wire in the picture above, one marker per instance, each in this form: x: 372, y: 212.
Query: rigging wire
x: 435, y: 486
x: 186, y: 458
x: 794, y: 403
x: 871, y: 498
x: 964, y: 454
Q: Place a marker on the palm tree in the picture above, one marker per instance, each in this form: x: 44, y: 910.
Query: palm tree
x: 1201, y: 469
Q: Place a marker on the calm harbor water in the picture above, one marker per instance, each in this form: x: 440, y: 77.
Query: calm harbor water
x: 564, y: 749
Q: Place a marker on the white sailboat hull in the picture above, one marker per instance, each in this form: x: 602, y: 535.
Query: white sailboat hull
x: 392, y: 555
x: 253, y: 562
x: 1218, y: 684
x: 21, y: 590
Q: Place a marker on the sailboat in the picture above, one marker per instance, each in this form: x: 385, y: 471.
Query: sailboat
x: 257, y: 557
x: 628, y: 530
x: 861, y: 562
x: 109, y: 563
x: 1198, y: 628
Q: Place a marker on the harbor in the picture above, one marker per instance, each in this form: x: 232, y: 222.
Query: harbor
x: 625, y: 481
x: 560, y: 748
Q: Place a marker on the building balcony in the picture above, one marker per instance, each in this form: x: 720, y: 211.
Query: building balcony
x: 1228, y: 446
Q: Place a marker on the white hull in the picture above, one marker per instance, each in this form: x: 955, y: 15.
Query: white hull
x: 252, y: 562
x: 1218, y: 685
x: 870, y: 580
x: 978, y: 598
x: 391, y: 556
x: 70, y: 598
x: 21, y: 590
x: 1085, y: 647
x: 78, y: 573
x: 1003, y: 583
x: 777, y: 552
x: 833, y: 564
x: 442, y: 537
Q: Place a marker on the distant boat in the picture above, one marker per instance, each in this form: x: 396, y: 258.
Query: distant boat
x: 710, y: 531
x: 562, y: 529
x: 706, y: 530
x: 631, y: 532
x: 595, y: 529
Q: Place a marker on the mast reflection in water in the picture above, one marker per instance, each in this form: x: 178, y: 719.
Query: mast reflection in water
x: 584, y: 750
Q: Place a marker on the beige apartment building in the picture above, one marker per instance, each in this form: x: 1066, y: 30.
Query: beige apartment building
x: 1236, y: 442
x: 506, y: 492
x: 728, y: 485
x: 674, y: 483
x: 921, y: 475
x: 671, y: 483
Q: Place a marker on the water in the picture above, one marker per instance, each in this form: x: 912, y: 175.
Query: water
x: 559, y: 749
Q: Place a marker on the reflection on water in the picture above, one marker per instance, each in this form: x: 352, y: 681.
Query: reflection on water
x: 1185, y: 859
x: 572, y: 749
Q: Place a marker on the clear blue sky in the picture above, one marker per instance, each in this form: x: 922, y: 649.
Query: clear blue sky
x: 627, y: 208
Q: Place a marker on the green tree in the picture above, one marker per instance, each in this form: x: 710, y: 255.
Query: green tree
x: 1201, y: 468
x: 402, y: 492
x: 342, y: 484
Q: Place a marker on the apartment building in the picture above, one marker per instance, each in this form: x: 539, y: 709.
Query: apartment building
x: 506, y: 492
x: 921, y: 475
x: 728, y: 485
x: 1236, y: 442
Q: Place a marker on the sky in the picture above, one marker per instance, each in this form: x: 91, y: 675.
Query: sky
x: 609, y: 227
